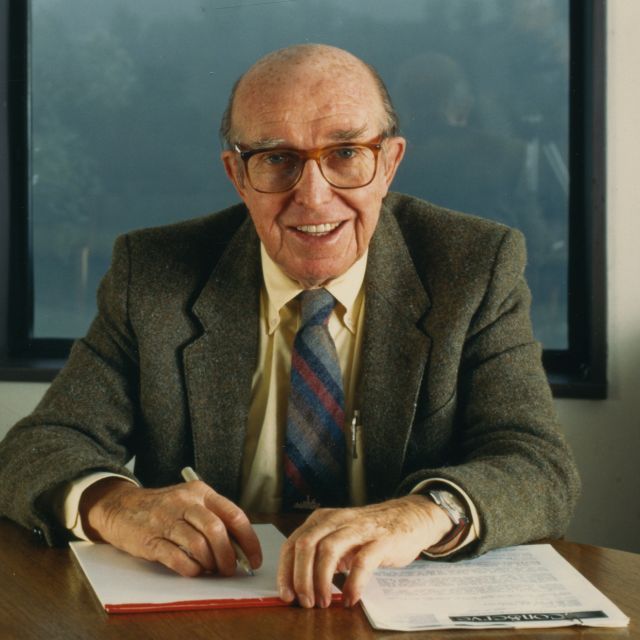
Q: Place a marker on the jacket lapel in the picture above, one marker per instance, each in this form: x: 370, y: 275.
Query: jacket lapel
x: 219, y: 364
x: 395, y: 351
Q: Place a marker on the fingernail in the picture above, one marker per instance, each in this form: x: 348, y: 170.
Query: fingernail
x: 255, y: 560
x: 305, y: 602
x: 346, y: 602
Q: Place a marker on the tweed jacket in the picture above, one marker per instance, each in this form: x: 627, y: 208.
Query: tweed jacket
x: 451, y: 383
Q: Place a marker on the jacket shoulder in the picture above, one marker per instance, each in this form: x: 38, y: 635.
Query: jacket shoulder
x: 419, y: 218
x: 183, y: 253
x: 208, y: 234
x: 455, y: 245
x: 162, y: 268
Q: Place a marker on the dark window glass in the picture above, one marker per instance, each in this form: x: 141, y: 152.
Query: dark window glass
x: 125, y: 100
x: 126, y: 96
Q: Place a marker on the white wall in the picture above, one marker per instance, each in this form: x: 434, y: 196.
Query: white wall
x: 605, y: 434
x: 16, y: 400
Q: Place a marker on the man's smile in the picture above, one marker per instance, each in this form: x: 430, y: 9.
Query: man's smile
x: 318, y: 229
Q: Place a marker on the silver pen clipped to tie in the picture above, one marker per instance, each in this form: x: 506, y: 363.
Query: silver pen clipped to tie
x: 355, y: 425
x: 189, y: 475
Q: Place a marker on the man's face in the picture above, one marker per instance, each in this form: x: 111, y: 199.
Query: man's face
x: 314, y: 231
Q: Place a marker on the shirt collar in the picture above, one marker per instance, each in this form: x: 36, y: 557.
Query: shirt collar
x: 281, y: 289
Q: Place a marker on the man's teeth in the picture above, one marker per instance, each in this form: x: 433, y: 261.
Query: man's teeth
x: 318, y: 229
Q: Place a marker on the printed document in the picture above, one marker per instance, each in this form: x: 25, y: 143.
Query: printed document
x: 523, y: 586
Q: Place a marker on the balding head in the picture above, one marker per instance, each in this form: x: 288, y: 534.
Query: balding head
x: 299, y: 66
x: 295, y: 114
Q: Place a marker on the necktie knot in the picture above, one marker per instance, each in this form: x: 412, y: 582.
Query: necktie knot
x: 315, y: 307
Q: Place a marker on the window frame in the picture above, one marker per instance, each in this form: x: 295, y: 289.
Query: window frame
x: 577, y: 372
x: 581, y: 370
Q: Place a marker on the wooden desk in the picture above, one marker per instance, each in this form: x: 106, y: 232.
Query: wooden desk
x: 44, y: 595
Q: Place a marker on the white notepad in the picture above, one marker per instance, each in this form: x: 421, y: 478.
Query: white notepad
x: 125, y: 584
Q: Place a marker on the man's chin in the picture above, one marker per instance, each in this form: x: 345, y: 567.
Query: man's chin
x: 314, y: 281
x: 316, y: 275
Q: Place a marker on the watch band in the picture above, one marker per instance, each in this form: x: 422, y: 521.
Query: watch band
x: 456, y: 511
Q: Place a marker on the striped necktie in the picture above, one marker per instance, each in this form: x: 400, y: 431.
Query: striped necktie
x: 314, y: 455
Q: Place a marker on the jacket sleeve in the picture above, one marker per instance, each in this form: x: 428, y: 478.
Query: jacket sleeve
x: 508, y: 452
x: 86, y: 420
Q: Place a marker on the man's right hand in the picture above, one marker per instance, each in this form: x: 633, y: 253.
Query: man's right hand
x: 185, y: 527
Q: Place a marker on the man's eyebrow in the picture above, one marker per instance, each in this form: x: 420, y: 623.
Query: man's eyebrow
x: 339, y: 135
x: 266, y: 143
x: 346, y: 135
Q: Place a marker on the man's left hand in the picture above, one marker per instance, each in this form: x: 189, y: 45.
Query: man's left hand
x: 356, y: 540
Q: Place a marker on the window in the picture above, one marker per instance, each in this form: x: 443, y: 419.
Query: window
x: 114, y: 119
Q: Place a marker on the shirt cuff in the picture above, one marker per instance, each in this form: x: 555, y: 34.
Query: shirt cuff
x: 473, y: 532
x: 71, y: 500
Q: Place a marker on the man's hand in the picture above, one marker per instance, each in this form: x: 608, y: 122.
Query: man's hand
x: 357, y: 540
x: 185, y: 527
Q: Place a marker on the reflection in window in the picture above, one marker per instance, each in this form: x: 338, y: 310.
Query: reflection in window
x: 126, y: 99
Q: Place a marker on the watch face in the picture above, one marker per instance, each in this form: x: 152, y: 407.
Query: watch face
x: 450, y: 503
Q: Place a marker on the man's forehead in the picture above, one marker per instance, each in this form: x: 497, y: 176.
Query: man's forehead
x: 334, y: 106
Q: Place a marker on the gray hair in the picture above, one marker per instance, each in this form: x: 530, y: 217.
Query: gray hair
x: 392, y: 124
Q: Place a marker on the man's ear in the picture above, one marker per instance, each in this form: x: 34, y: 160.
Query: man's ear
x: 234, y: 170
x: 392, y: 153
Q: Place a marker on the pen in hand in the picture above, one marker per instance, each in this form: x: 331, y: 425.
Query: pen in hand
x: 189, y: 475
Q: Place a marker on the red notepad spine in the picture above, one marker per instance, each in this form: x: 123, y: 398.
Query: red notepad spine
x: 191, y: 605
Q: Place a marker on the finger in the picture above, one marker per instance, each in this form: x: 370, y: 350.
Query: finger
x: 304, y: 552
x: 209, y: 526
x: 286, y: 562
x: 214, y: 529
x: 218, y: 538
x: 330, y: 552
x: 298, y: 560
x: 285, y: 572
x: 187, y: 536
x: 363, y: 564
x: 212, y: 569
x: 238, y: 525
x: 170, y: 555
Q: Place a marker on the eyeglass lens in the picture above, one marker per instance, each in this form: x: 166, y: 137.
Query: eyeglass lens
x: 278, y: 170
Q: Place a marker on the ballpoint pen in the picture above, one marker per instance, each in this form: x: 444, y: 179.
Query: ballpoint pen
x: 354, y: 434
x: 189, y: 475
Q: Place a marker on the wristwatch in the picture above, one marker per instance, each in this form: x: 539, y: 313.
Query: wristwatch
x: 455, y: 510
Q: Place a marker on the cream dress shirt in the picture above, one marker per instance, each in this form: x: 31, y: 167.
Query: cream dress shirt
x: 279, y: 321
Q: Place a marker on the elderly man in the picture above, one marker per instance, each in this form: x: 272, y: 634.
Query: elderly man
x: 339, y: 347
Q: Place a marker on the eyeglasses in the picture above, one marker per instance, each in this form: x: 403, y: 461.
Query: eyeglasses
x: 345, y: 166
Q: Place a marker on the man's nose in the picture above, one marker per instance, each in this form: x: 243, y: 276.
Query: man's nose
x: 312, y: 189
